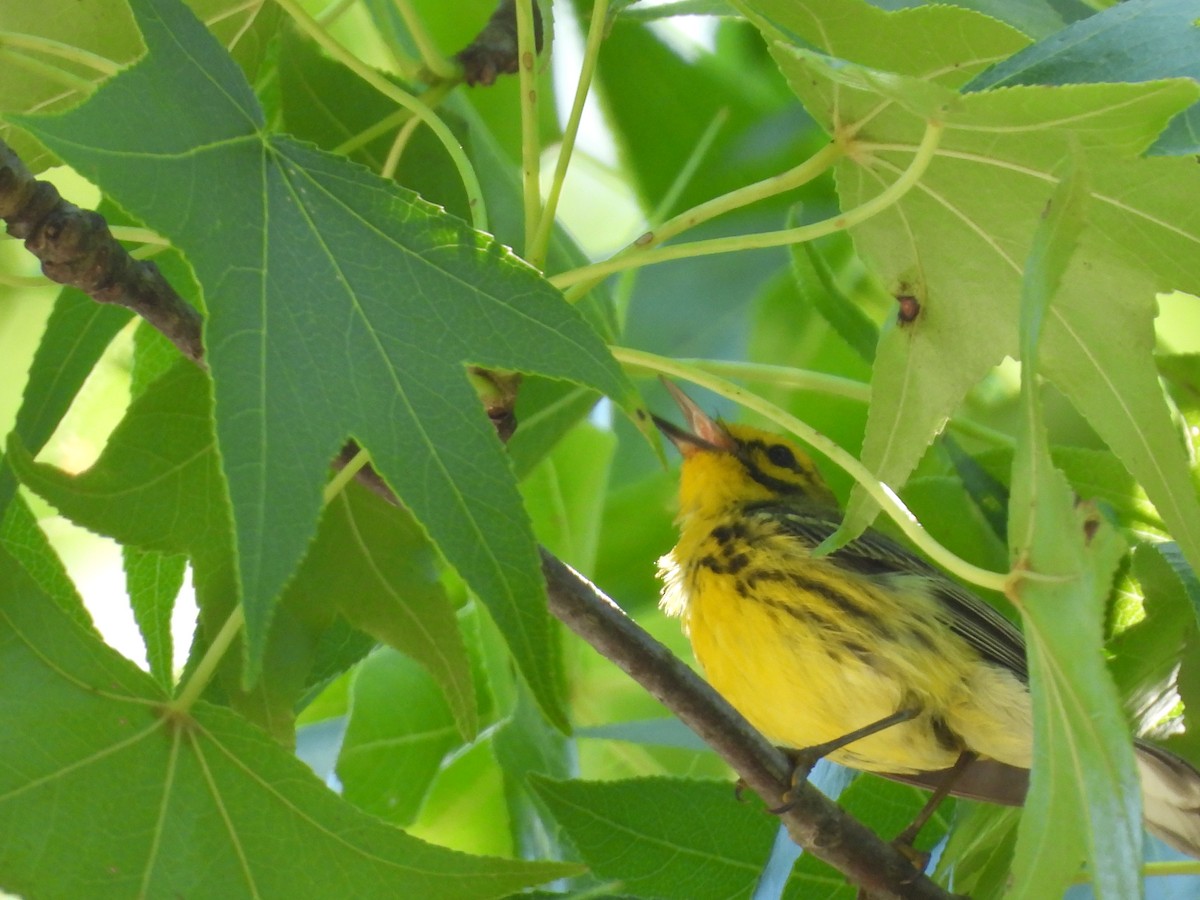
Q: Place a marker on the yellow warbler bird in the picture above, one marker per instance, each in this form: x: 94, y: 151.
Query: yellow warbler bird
x: 812, y: 649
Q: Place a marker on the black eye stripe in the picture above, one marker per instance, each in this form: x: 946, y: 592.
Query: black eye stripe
x: 782, y: 456
x: 756, y: 449
x: 777, y: 454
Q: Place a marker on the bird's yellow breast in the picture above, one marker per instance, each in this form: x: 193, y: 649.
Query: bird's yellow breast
x: 809, y: 652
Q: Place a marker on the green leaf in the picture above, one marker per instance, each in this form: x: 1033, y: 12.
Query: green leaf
x: 1083, y: 769
x: 979, y: 851
x: 194, y: 805
x: 660, y: 105
x: 653, y: 732
x: 1141, y: 41
x: 77, y: 333
x: 664, y: 836
x: 326, y: 103
x: 154, y: 580
x: 392, y: 750
x: 1036, y: 18
x: 371, y: 562
x: 38, y: 78
x: 157, y: 487
x: 546, y: 410
x: 24, y: 540
x: 818, y: 285
x: 946, y: 44
x: 980, y: 200
x: 246, y: 30
x: 1146, y: 656
x: 339, y: 304
x: 526, y: 745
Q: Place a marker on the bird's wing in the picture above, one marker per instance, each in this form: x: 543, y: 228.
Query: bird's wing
x: 875, y: 556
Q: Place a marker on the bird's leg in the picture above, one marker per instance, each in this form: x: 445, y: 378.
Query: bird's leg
x: 904, y: 840
x: 804, y: 760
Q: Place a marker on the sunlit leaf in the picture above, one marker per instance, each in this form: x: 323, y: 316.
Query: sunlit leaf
x: 1111, y: 46
x: 978, y: 204
x: 1083, y: 770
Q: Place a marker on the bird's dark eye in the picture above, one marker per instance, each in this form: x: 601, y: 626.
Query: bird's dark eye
x: 781, y: 456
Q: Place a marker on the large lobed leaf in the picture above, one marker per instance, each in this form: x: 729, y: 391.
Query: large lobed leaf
x: 1115, y: 45
x: 1083, y: 768
x: 157, y: 487
x: 958, y: 240
x: 130, y: 801
x: 339, y: 305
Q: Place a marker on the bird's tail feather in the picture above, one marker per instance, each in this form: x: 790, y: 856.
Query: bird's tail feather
x: 1170, y: 791
x: 1170, y: 797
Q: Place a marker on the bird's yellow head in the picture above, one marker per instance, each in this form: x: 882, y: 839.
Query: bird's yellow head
x: 727, y: 465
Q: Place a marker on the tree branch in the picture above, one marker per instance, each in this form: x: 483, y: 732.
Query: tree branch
x: 814, y: 821
x: 77, y: 249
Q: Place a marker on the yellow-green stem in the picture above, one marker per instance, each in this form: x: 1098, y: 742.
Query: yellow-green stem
x: 400, y: 117
x: 431, y: 56
x: 819, y: 162
x: 807, y: 380
x: 397, y: 149
x: 204, y: 671
x: 466, y: 172
x: 138, y: 235
x: 382, y: 127
x: 880, y: 492
x: 1155, y: 870
x: 207, y: 667
x: 24, y: 281
x: 48, y: 73
x: 49, y: 47
x: 345, y: 475
x: 334, y: 11
x: 530, y: 151
x: 909, y: 177
x: 538, y: 248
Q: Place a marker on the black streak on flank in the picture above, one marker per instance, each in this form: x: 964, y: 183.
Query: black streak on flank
x: 724, y: 534
x: 945, y: 736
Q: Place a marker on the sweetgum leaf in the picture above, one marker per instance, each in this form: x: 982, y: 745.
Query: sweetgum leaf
x: 339, y: 305
x: 1138, y: 40
x: 1083, y: 775
x: 957, y: 241
x: 157, y: 487
x: 195, y: 804
x: 78, y: 331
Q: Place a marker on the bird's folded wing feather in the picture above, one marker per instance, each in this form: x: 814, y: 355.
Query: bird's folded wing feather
x: 877, y: 557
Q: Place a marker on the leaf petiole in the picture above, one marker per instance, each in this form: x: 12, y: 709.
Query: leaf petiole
x: 441, y: 130
x: 530, y: 149
x: 207, y: 667
x: 537, y: 249
x: 216, y: 651
x: 634, y: 257
x: 432, y: 58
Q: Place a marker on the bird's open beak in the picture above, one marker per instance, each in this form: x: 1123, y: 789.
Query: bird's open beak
x: 702, y: 432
